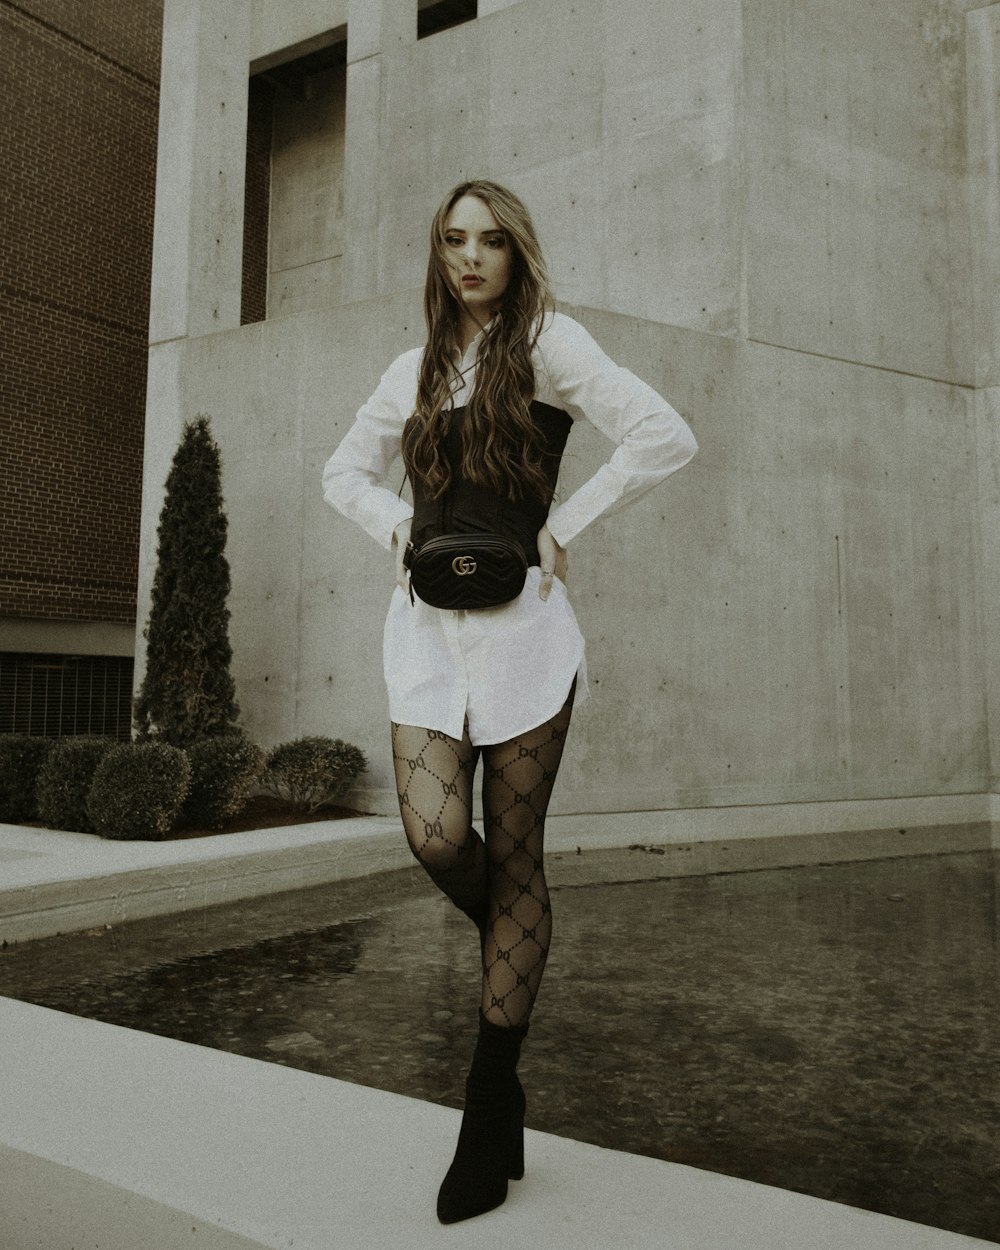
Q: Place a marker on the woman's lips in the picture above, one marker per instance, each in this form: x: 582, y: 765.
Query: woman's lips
x: 471, y: 280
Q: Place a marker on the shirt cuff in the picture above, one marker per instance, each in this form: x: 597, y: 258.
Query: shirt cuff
x: 595, y: 497
x: 559, y: 529
x: 402, y: 512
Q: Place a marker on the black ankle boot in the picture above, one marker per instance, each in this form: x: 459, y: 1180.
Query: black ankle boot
x: 491, y: 1141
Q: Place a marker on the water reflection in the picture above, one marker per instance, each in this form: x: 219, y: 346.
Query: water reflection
x: 830, y: 1029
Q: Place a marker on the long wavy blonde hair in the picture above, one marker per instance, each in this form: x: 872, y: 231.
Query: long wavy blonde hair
x: 501, y: 448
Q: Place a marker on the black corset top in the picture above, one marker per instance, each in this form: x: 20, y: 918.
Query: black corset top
x: 466, y: 508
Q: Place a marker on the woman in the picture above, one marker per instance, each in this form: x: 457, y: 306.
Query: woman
x: 481, y: 415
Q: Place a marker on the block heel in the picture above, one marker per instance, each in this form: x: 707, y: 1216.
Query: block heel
x: 490, y: 1148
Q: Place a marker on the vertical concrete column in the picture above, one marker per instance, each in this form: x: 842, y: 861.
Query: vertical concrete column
x: 198, y: 234
x: 198, y: 231
x: 982, y: 48
x: 983, y: 139
x: 986, y: 403
x: 166, y: 411
x: 374, y: 27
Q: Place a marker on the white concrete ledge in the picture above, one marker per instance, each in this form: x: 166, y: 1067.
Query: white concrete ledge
x: 712, y: 818
x: 122, y: 1140
x: 707, y: 824
x: 63, y: 882
x: 55, y: 882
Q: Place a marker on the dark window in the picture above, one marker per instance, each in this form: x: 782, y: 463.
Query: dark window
x: 296, y: 75
x: 257, y: 200
x: 56, y: 696
x: 441, y: 14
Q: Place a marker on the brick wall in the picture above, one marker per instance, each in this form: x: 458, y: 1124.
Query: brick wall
x: 78, y: 122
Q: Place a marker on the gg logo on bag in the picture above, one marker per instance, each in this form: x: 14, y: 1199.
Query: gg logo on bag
x: 464, y: 565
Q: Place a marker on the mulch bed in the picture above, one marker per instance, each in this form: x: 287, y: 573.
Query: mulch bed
x: 265, y: 812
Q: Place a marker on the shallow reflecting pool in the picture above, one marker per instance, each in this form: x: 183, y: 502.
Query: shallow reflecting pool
x: 831, y: 1029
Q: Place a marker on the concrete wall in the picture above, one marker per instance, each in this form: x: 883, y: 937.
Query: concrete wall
x: 277, y: 28
x: 597, y: 120
x: 760, y: 207
x: 857, y: 232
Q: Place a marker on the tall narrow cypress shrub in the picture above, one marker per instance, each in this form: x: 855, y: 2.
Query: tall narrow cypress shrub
x: 188, y: 691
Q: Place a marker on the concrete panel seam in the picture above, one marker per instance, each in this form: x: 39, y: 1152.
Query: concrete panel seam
x: 176, y: 338
x: 864, y: 364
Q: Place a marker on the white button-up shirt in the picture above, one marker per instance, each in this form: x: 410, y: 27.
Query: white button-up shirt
x: 509, y: 669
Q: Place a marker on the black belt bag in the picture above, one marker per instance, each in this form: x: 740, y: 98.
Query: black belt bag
x: 466, y: 570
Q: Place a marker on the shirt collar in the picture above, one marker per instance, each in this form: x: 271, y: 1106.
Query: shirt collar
x: 472, y: 351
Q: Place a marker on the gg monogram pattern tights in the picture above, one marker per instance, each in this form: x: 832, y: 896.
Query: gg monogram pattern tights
x: 499, y: 879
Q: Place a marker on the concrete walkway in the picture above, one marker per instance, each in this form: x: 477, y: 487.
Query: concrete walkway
x: 118, y: 1139
x: 125, y: 1141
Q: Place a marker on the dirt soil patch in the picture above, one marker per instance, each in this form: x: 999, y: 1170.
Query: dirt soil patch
x: 265, y: 812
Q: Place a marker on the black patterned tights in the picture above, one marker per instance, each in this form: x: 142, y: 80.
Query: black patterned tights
x: 499, y: 882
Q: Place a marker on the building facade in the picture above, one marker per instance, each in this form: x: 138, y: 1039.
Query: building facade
x: 78, y: 125
x: 781, y: 215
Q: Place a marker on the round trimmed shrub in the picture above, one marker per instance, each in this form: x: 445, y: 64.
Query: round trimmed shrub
x: 65, y: 780
x: 21, y: 760
x: 224, y: 771
x: 138, y: 790
x: 310, y: 772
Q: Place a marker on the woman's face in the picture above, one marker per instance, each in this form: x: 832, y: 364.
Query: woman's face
x: 478, y: 255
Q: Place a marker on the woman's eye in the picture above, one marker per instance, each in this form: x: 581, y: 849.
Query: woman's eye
x: 497, y: 242
x: 453, y: 240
